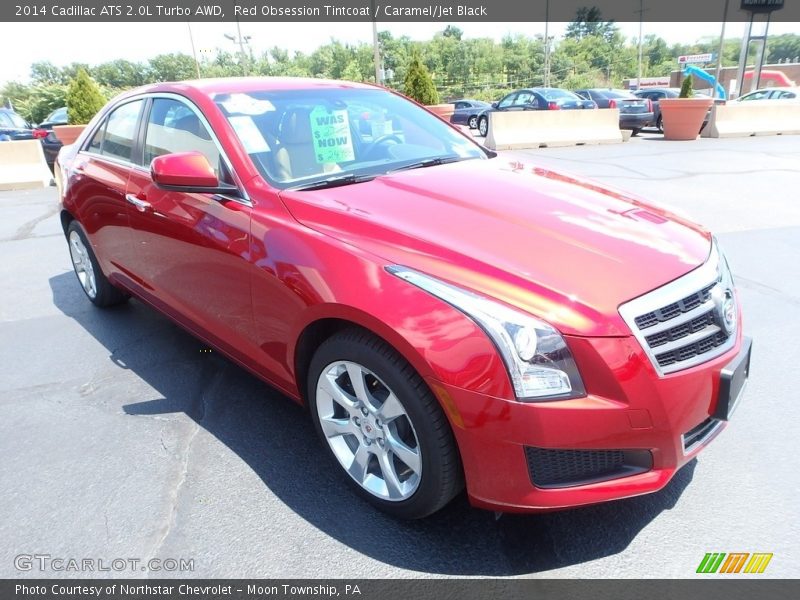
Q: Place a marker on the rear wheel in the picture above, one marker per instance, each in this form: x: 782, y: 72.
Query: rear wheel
x: 660, y: 124
x: 473, y: 122
x: 383, y: 426
x: 483, y: 126
x: 95, y: 285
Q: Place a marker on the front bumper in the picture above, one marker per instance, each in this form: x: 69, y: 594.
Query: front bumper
x: 630, y: 414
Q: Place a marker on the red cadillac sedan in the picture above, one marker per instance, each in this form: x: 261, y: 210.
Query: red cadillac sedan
x: 450, y: 317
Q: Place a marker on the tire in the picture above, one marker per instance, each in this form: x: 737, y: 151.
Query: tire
x: 660, y: 124
x: 94, y: 283
x: 635, y: 131
x: 483, y: 126
x: 473, y: 122
x: 389, y: 437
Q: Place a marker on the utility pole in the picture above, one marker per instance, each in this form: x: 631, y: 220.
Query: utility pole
x: 194, y: 52
x: 376, y: 51
x: 241, y: 40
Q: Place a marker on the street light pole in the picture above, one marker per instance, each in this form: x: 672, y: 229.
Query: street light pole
x: 547, y: 44
x: 641, y: 20
x: 721, y: 49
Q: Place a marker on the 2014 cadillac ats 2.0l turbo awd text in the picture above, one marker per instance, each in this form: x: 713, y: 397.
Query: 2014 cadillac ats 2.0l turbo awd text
x: 451, y: 318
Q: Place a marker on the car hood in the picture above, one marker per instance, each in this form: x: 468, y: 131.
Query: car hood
x: 562, y: 248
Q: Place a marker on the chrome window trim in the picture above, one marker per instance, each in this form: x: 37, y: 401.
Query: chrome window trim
x: 704, y: 275
x: 245, y: 199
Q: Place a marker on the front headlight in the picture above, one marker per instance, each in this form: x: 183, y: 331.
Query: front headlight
x: 538, y: 360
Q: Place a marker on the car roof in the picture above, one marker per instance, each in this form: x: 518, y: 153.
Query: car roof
x: 223, y: 85
x: 785, y: 88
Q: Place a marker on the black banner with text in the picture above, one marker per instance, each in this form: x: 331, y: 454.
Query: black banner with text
x: 396, y: 10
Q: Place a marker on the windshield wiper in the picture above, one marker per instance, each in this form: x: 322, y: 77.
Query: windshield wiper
x: 429, y: 162
x: 330, y: 182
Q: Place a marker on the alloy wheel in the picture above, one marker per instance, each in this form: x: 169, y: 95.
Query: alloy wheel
x: 83, y: 264
x: 369, y: 431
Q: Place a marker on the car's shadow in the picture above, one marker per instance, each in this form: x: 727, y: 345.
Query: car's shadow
x: 275, y: 438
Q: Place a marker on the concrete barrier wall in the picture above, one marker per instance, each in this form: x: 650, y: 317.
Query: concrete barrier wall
x: 756, y: 117
x: 512, y: 130
x: 22, y: 165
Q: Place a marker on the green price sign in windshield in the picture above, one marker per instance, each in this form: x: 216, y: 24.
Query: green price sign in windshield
x: 330, y: 130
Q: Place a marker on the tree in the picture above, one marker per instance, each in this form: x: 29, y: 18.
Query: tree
x: 453, y: 32
x: 589, y: 22
x: 45, y: 72
x: 120, y: 74
x: 172, y: 67
x: 418, y: 83
x: 351, y: 72
x: 43, y: 100
x: 84, y: 99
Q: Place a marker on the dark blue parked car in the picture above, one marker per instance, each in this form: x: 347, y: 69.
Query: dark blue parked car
x: 13, y: 126
x: 534, y: 99
x: 467, y: 110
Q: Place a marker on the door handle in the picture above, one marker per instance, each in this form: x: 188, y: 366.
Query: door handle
x: 141, y: 205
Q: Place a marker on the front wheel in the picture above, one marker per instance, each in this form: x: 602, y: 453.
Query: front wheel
x: 483, y: 126
x: 383, y: 426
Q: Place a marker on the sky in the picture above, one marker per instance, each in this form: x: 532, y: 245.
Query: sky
x: 22, y: 44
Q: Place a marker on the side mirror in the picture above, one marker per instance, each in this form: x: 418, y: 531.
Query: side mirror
x: 187, y: 172
x: 494, y: 104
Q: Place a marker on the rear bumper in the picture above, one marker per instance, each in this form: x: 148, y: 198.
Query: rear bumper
x: 635, y: 120
x: 630, y: 416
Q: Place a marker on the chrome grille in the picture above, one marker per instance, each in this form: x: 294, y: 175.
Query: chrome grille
x: 680, y: 325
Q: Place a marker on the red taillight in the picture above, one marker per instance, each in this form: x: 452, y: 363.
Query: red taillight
x: 40, y: 133
x: 649, y: 105
x: 612, y: 103
x: 553, y: 106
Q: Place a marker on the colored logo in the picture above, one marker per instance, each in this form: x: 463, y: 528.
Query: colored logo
x: 735, y: 562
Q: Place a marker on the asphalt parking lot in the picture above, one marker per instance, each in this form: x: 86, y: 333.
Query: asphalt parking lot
x: 121, y: 437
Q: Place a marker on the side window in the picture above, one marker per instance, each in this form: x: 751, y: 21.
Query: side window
x: 507, y: 101
x: 460, y: 105
x: 523, y: 98
x: 5, y: 121
x: 97, y: 138
x: 783, y: 95
x: 120, y: 131
x: 174, y: 127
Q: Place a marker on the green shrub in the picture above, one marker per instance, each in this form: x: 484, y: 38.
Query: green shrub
x: 687, y: 90
x: 84, y: 99
x: 418, y: 83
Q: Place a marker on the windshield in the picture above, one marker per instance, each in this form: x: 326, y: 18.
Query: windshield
x: 298, y: 137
